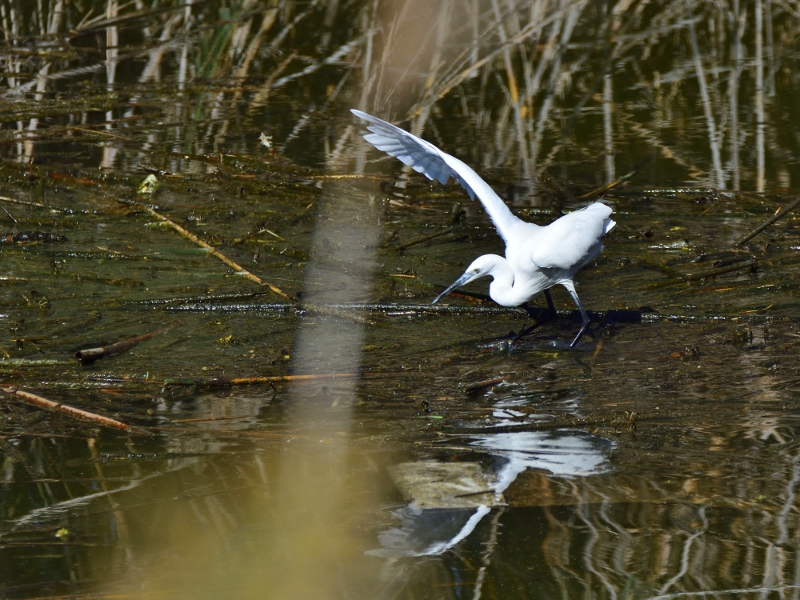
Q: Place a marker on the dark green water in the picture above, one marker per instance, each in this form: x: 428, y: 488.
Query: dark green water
x: 658, y: 459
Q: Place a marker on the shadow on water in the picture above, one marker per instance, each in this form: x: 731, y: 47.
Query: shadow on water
x: 272, y: 407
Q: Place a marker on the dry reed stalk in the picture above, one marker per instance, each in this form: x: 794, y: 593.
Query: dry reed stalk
x: 252, y: 50
x: 214, y: 252
x: 368, y: 78
x: 608, y: 126
x: 44, y: 75
x: 453, y: 80
x: 513, y: 92
x: 101, y: 21
x: 334, y: 58
x: 260, y: 97
x: 759, y: 59
x: 713, y: 138
x: 33, y: 204
x: 733, y: 91
x: 418, y: 123
x: 563, y: 28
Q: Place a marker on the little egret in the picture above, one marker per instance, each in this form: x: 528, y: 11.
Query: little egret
x: 537, y: 258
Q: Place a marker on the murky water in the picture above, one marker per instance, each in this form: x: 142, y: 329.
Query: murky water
x: 302, y: 423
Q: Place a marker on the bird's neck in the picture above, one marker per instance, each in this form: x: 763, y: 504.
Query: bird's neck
x: 502, y: 289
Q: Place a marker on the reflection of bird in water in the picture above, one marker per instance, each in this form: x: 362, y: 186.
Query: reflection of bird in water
x: 537, y: 258
x: 433, y: 531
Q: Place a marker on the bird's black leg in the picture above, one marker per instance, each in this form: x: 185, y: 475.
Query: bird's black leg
x: 550, y: 306
x: 584, y: 316
x: 540, y: 320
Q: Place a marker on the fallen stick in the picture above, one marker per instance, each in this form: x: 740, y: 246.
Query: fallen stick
x: 479, y: 385
x: 71, y: 411
x: 769, y: 222
x: 34, y: 204
x: 213, y: 251
x: 225, y: 382
x: 87, y: 357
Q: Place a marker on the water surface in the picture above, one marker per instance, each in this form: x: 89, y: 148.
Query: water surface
x: 308, y: 425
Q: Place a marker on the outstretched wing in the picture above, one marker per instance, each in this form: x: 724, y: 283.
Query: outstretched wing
x: 574, y: 239
x: 427, y: 159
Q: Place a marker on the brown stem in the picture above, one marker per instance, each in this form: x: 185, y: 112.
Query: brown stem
x: 70, y: 411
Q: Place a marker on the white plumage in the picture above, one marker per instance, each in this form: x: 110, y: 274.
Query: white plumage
x: 537, y: 258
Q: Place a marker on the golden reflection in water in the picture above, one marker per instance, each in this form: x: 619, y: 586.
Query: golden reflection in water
x: 296, y: 533
x: 311, y: 550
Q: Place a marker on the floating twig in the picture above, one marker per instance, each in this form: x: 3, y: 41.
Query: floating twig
x: 479, y: 385
x: 222, y: 433
x: 213, y: 251
x: 204, y: 419
x: 333, y: 311
x: 424, y: 238
x: 10, y: 216
x: 33, y: 204
x: 71, y: 411
x: 358, y: 176
x: 87, y: 357
x: 99, y: 132
x: 769, y: 222
x: 234, y: 381
x: 31, y: 236
x: 609, y: 186
x: 618, y: 420
x: 751, y: 265
x: 663, y: 268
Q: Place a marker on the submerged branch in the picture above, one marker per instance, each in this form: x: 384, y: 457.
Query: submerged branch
x: 71, y: 411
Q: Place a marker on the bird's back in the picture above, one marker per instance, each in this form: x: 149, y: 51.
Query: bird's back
x: 548, y: 255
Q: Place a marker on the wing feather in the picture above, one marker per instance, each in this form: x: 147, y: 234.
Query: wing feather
x: 427, y: 159
x: 574, y: 239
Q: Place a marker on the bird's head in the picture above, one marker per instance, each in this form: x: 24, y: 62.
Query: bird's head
x: 480, y: 267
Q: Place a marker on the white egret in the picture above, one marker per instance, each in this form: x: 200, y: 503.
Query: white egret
x: 537, y: 258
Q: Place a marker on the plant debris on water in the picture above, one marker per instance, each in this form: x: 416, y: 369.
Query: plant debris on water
x: 221, y: 369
